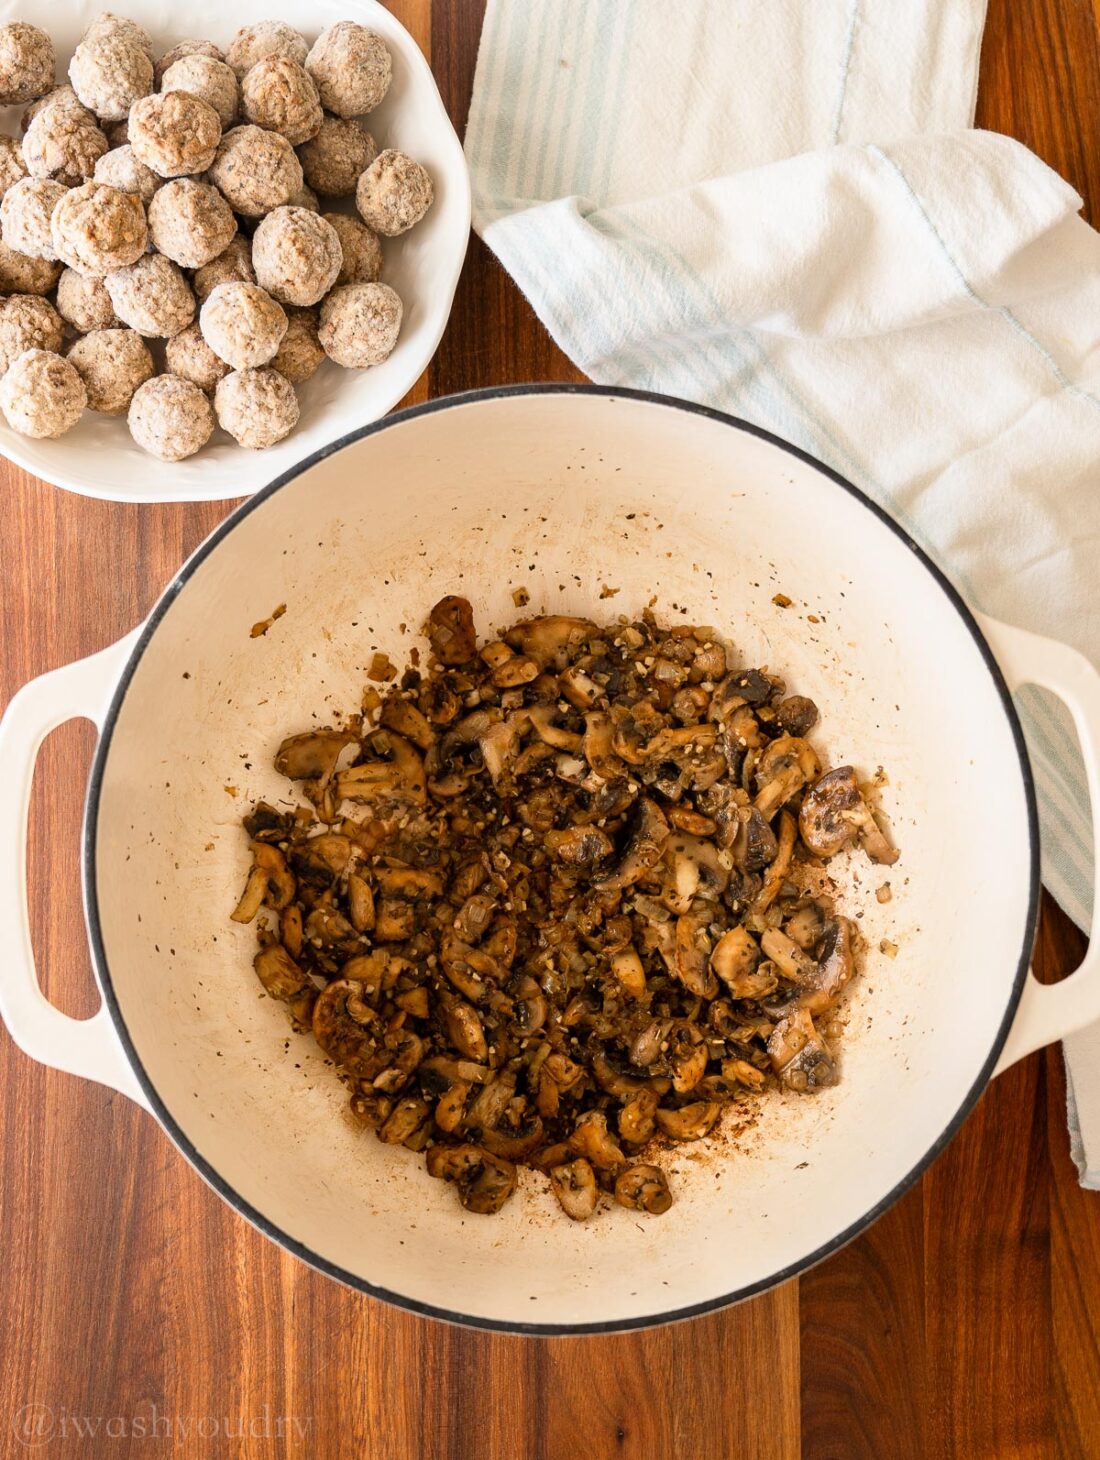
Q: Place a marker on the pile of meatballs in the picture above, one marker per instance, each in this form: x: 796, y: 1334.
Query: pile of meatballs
x: 180, y: 200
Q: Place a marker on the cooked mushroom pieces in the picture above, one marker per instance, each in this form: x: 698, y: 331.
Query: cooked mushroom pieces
x: 484, y: 1181
x: 558, y: 899
x: 643, y: 1189
x: 834, y: 813
x: 574, y: 1185
x: 451, y: 631
x: 799, y: 1055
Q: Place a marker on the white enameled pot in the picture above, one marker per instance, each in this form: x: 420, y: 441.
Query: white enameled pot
x: 560, y: 491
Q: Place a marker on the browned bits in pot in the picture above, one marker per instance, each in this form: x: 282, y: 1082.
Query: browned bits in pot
x: 538, y: 915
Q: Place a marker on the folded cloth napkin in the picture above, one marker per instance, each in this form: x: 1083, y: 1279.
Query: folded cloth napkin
x: 782, y: 210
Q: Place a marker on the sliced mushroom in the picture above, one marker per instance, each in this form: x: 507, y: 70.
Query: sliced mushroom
x: 687, y: 1056
x: 697, y: 870
x: 574, y: 1185
x: 541, y: 719
x: 360, y: 903
x: 404, y: 1120
x: 689, y: 1122
x: 348, y: 1030
x: 400, y: 778
x: 580, y: 846
x: 451, y: 631
x: 834, y: 813
x: 637, y: 1122
x: 834, y: 967
x: 514, y: 1143
x: 499, y: 745
x: 614, y: 1080
x: 408, y: 721
x: 755, y: 846
x: 734, y: 960
x: 484, y: 1181
x: 578, y: 689
x: 787, y: 956
x: 279, y: 974
x: 647, y: 834
x: 692, y: 963
x: 796, y: 715
x: 312, y: 756
x: 474, y: 917
x: 777, y: 872
x: 465, y: 1030
x: 599, y: 748
x: 252, y: 898
x: 787, y: 765
x: 593, y: 1140
x: 451, y: 1107
x: 643, y: 1189
x: 799, y: 1055
x: 626, y: 968
x: 330, y: 931
x: 551, y: 640
x: 744, y: 1073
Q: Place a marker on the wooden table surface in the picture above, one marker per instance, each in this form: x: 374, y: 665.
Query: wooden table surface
x: 965, y: 1323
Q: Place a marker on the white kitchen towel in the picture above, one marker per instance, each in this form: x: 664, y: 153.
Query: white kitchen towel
x: 781, y: 209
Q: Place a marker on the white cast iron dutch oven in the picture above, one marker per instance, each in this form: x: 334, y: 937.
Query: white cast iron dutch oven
x: 562, y: 491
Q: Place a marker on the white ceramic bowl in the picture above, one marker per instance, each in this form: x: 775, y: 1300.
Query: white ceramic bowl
x: 561, y: 490
x: 98, y: 458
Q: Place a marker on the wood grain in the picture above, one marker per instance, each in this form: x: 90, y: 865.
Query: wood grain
x: 965, y: 1323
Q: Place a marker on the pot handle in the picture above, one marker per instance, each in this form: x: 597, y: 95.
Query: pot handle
x: 88, y: 1047
x: 1048, y: 1012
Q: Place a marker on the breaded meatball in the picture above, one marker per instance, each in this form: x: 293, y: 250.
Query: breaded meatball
x: 361, y: 248
x: 360, y: 324
x: 12, y: 166
x: 152, y: 297
x: 27, y: 62
x: 279, y: 94
x: 256, y: 170
x: 41, y: 395
x: 267, y: 38
x: 28, y: 322
x: 256, y: 407
x: 352, y: 68
x: 25, y: 212
x: 84, y: 303
x: 170, y: 418
x: 177, y: 53
x: 190, y: 222
x: 20, y: 274
x: 296, y: 255
x: 97, y: 228
x: 232, y: 266
x: 121, y: 169
x: 174, y: 133
x: 61, y: 96
x: 191, y: 358
x: 118, y: 133
x: 112, y: 364
x: 394, y: 193
x: 63, y: 142
x: 208, y: 78
x: 333, y: 161
x: 242, y: 324
x: 108, y: 26
x: 109, y: 72
x: 300, y: 354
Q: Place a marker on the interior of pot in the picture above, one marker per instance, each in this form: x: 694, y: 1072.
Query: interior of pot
x: 565, y: 495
